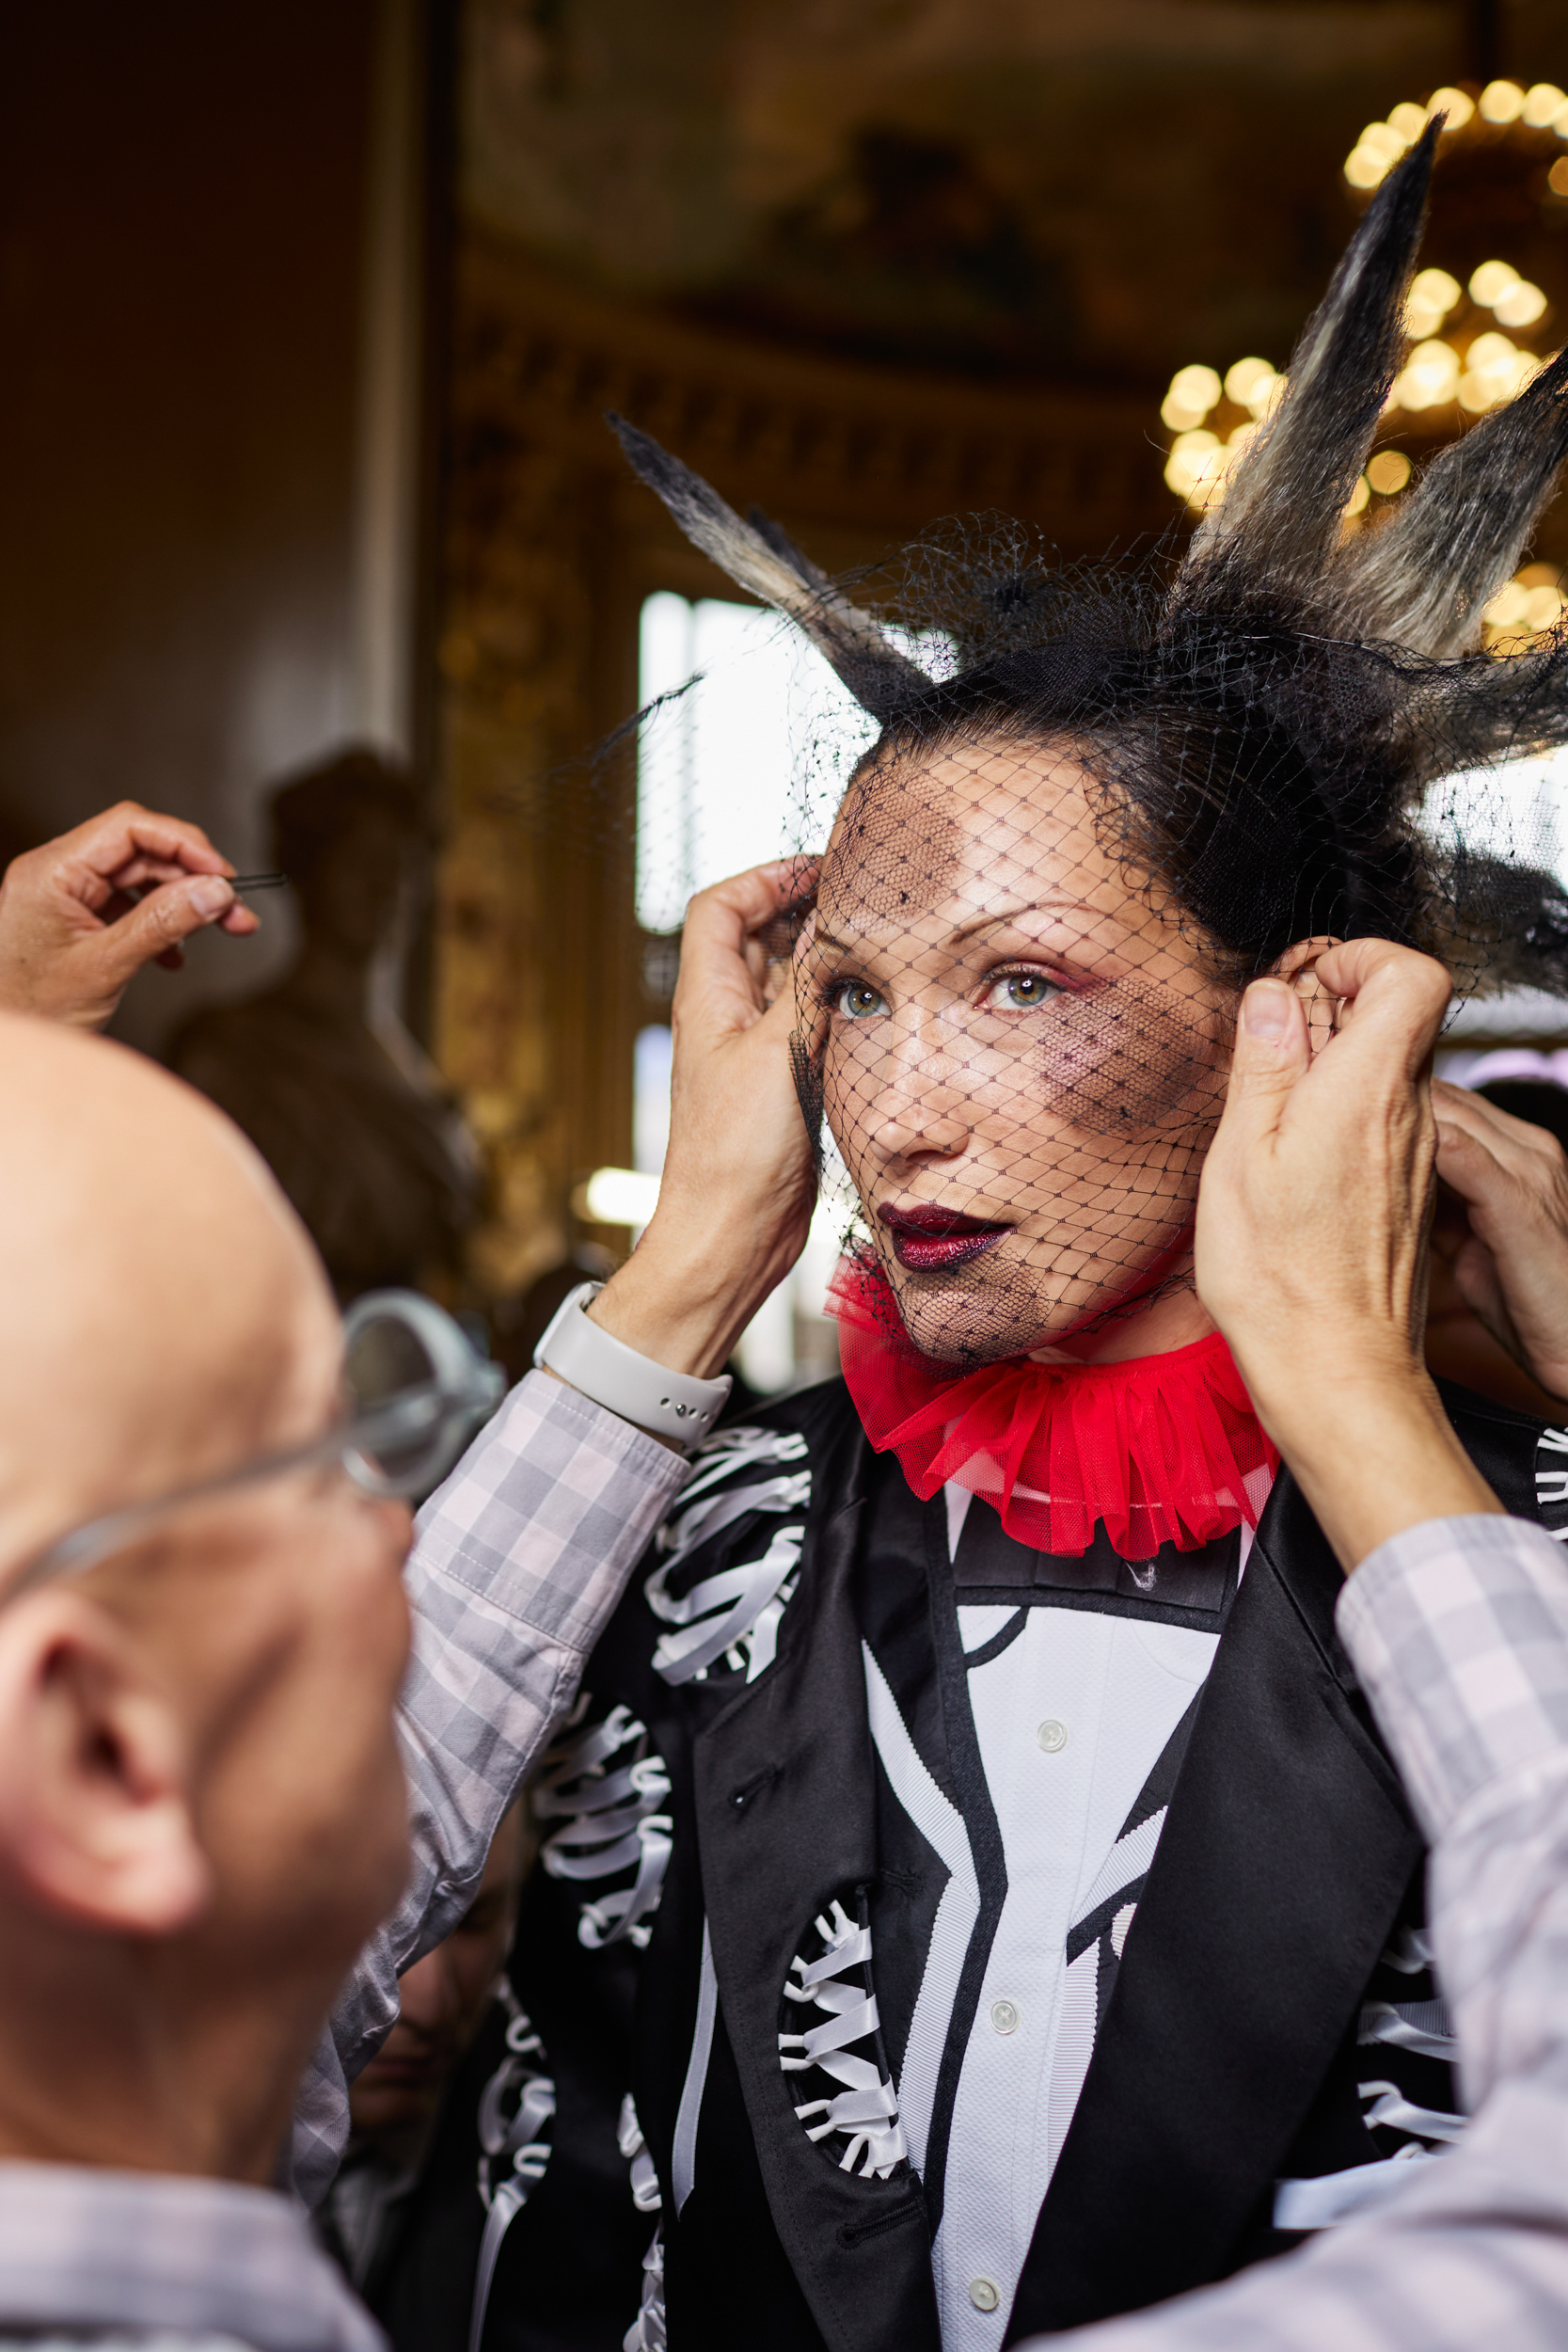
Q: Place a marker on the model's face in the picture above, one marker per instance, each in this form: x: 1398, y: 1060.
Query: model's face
x: 1022, y: 1057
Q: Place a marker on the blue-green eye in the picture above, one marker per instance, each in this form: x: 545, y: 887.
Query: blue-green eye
x: 857, y: 1002
x: 1019, y: 992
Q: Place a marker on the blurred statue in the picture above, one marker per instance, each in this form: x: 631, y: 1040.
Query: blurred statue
x: 319, y: 1070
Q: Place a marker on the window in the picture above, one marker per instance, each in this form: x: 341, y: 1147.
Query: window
x: 718, y: 769
x: 719, y: 766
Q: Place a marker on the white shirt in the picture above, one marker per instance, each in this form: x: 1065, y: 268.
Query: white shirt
x: 1071, y: 1718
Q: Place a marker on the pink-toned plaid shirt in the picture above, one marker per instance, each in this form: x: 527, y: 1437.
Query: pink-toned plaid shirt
x: 518, y: 1563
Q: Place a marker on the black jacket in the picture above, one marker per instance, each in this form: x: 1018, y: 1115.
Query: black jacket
x: 1289, y: 1868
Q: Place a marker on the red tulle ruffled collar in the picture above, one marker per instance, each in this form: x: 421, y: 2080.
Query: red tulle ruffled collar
x: 1161, y: 1448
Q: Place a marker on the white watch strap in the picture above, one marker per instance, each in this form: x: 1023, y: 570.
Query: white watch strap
x: 670, y: 1404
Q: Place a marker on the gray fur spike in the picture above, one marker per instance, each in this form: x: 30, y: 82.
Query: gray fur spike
x: 785, y: 547
x: 1278, y: 523
x: 853, y: 642
x: 1458, y: 536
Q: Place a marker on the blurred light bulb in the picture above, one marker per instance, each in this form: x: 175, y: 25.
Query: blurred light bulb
x: 1501, y: 102
x: 1508, y: 607
x: 1195, y: 385
x: 1429, y: 378
x: 1359, y: 497
x: 1388, y: 471
x: 1410, y: 121
x: 1452, y: 103
x: 1364, y: 168
x: 1180, y: 415
x: 1489, y: 283
x: 1556, y: 179
x: 1384, y: 140
x: 1245, y: 379
x: 1189, y: 454
x: 1542, y: 102
x: 1542, y: 608
x: 1434, y: 286
x: 619, y: 1195
x: 1237, y: 439
x: 1521, y: 306
x: 1491, y: 350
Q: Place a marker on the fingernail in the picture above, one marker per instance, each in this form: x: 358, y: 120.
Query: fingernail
x: 210, y: 894
x: 1266, y: 1010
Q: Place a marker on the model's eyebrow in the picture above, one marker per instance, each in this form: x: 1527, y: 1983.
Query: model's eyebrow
x: 1010, y: 915
x: 826, y: 941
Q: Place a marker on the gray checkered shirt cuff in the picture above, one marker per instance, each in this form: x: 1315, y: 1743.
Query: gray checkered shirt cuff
x: 548, y: 1511
x: 1459, y: 1631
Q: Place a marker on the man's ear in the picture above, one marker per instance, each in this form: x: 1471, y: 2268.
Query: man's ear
x: 1299, y: 965
x: 96, y: 1826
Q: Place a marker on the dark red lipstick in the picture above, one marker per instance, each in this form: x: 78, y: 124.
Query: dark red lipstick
x: 929, y: 1240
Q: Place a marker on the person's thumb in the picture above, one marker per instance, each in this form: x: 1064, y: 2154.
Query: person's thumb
x: 1271, y: 1055
x: 161, y: 920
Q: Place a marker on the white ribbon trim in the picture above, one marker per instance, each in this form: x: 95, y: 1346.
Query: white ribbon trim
x: 1330, y: 2197
x: 866, y: 2109
x: 609, y: 1822
x: 520, y: 2140
x: 1392, y: 2109
x: 1421, y: 2026
x: 742, y: 1594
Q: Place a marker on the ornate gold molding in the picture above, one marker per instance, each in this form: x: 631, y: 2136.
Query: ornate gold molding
x: 880, y: 451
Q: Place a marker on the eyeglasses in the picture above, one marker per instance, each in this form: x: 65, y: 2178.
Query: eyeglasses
x: 415, y: 1392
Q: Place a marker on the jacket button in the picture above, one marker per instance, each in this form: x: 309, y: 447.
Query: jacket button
x: 983, y: 2295
x: 1051, y: 1734
x: 1004, y: 2017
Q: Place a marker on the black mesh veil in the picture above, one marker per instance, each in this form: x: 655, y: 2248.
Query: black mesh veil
x: 1102, y: 799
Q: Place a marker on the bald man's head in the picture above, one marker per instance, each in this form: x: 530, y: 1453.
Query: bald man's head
x: 166, y: 1316
x: 202, y: 1809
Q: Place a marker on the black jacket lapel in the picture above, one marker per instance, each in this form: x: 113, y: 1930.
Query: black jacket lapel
x: 1283, y: 1863
x: 783, y: 1783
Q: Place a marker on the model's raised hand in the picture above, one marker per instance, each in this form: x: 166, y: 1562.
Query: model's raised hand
x: 1311, y: 1243
x: 80, y: 915
x: 735, y: 1198
x: 1513, y: 1269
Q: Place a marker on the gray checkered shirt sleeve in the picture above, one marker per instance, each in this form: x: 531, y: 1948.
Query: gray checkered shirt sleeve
x: 1458, y: 1630
x: 518, y: 1562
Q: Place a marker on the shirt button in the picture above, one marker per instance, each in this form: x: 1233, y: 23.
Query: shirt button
x: 1004, y: 2017
x: 1051, y: 1734
x: 983, y: 2295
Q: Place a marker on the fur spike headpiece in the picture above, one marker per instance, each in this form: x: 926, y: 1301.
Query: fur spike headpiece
x: 1279, y: 523
x: 759, y: 557
x: 1265, y: 723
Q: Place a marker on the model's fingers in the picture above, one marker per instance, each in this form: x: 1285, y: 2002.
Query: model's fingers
x: 718, y: 989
